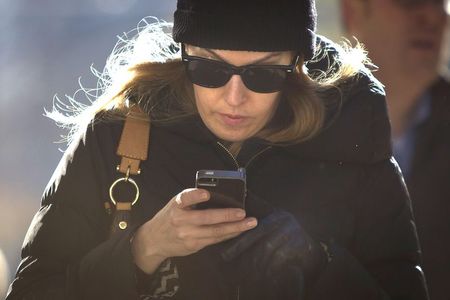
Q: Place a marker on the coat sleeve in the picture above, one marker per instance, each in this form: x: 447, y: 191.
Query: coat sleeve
x: 383, y: 262
x: 67, y: 253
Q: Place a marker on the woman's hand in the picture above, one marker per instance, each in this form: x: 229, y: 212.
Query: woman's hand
x: 179, y: 230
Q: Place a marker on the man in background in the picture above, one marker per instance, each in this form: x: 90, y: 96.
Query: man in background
x: 405, y: 39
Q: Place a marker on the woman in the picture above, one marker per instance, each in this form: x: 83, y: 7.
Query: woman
x: 326, y: 215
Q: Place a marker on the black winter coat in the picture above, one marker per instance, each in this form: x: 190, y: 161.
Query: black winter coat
x: 428, y: 183
x: 342, y: 186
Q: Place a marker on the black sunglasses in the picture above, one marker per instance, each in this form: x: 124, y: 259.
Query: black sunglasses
x: 212, y: 73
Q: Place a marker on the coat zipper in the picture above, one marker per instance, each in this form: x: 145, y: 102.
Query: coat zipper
x: 235, y: 160
x: 238, y: 292
x: 230, y: 154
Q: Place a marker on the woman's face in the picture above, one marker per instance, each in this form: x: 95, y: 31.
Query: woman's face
x: 233, y: 112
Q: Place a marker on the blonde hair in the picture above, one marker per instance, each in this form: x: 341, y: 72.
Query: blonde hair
x: 146, y: 69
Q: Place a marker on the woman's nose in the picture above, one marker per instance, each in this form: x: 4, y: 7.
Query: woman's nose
x: 236, y: 92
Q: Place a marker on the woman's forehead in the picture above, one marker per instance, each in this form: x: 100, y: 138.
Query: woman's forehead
x: 237, y: 54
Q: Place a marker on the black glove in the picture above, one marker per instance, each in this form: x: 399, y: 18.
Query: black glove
x: 277, y: 258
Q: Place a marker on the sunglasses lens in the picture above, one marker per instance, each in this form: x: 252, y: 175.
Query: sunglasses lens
x: 207, y: 73
x: 214, y: 74
x: 264, y: 80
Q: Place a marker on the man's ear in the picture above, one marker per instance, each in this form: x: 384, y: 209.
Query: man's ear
x: 353, y: 13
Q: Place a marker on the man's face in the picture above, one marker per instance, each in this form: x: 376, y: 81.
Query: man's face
x: 402, y: 36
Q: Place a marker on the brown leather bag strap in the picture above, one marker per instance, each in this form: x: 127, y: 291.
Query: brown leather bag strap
x: 133, y: 148
x: 134, y: 141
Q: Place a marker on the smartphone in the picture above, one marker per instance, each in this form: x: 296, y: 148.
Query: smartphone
x: 228, y: 189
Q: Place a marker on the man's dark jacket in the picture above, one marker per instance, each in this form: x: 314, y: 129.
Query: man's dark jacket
x: 342, y: 186
x: 429, y: 186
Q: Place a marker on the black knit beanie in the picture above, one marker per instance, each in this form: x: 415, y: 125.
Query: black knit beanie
x: 252, y: 25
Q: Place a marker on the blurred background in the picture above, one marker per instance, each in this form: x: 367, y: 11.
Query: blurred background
x: 46, y: 47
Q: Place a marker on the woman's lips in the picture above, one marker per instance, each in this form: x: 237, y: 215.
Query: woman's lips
x: 232, y: 120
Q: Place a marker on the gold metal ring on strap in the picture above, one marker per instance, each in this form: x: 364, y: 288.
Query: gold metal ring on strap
x: 126, y: 179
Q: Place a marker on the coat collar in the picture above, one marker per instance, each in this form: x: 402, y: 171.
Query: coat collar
x: 361, y: 133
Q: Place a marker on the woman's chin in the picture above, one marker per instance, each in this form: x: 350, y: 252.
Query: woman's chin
x: 233, y: 137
